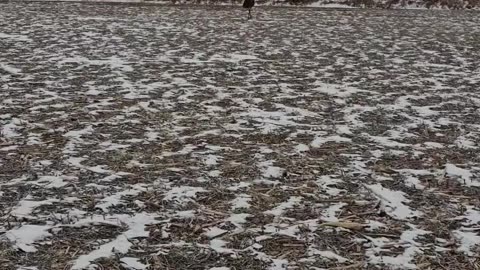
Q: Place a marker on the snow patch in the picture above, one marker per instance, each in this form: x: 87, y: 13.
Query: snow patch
x: 394, y: 202
x: 25, y: 236
x: 181, y: 193
x: 133, y: 263
x: 319, y: 141
x: 460, y: 173
x: 280, y: 209
x: 121, y: 244
x: 468, y: 241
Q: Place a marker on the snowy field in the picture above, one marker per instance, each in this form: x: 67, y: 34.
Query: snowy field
x: 189, y: 138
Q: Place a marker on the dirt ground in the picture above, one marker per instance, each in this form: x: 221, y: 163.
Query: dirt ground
x: 163, y: 137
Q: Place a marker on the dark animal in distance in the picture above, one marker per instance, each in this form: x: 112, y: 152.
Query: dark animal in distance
x: 249, y: 4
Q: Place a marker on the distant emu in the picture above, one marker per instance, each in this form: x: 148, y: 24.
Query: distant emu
x: 249, y: 4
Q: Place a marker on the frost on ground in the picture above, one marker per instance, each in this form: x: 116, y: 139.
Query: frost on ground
x: 137, y: 137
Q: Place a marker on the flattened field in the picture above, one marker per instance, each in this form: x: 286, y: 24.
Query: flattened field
x: 167, y: 137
